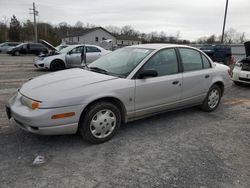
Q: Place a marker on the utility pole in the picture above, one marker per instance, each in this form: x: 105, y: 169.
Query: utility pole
x: 35, y: 13
x: 224, y: 23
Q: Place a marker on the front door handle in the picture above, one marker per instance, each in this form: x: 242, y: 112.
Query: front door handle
x: 175, y: 82
x: 207, y: 76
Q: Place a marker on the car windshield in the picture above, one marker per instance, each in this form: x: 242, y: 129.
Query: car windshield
x: 67, y: 49
x: 120, y: 62
x: 2, y: 44
x: 60, y: 47
x: 20, y: 45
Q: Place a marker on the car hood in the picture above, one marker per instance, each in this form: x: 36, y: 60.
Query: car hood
x: 247, y: 48
x: 48, y: 45
x: 61, y: 84
x: 51, y: 53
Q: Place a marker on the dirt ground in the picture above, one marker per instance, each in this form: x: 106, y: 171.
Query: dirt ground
x: 185, y: 148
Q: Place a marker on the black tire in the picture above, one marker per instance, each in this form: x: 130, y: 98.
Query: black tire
x: 17, y: 53
x: 57, y: 65
x: 86, y: 129
x: 209, y: 107
x: 237, y: 83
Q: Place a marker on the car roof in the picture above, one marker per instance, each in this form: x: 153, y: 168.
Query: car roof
x: 157, y: 46
x: 83, y: 45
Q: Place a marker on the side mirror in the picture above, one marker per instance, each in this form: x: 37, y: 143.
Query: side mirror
x: 147, y: 73
x: 69, y: 53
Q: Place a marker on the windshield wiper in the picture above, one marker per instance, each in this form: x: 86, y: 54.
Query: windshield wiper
x: 100, y: 70
x: 97, y: 69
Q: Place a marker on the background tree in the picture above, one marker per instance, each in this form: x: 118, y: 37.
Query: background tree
x: 113, y: 29
x: 27, y: 31
x: 79, y: 24
x: 3, y: 31
x: 129, y: 31
x: 211, y: 39
x: 47, y: 32
x: 15, y: 28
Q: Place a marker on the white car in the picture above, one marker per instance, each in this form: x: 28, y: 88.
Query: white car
x: 70, y: 56
x: 241, y: 71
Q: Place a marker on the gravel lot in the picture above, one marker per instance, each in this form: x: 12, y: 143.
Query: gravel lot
x: 186, y: 148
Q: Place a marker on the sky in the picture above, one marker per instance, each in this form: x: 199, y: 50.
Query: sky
x: 192, y: 18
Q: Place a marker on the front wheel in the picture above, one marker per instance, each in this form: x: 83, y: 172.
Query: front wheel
x: 212, y: 99
x: 100, y: 122
x: 57, y: 65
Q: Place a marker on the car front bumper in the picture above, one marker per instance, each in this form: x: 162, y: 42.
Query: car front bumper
x: 40, y: 64
x: 39, y: 121
x: 241, y: 76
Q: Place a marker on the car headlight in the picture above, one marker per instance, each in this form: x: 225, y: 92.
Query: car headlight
x: 41, y: 58
x: 238, y: 64
x: 33, y: 104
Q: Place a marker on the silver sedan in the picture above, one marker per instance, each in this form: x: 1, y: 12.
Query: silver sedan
x: 127, y: 84
x: 70, y: 56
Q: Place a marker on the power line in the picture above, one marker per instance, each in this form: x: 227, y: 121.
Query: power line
x: 35, y: 13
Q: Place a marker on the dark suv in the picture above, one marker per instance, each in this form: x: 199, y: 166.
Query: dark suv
x: 28, y: 48
x: 218, y: 52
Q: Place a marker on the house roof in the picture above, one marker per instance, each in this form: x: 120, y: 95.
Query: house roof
x: 127, y: 37
x: 87, y: 30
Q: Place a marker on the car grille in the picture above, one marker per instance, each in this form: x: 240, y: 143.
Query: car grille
x: 246, y: 66
x: 244, y: 79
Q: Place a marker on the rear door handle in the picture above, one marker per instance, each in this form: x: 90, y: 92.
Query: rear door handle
x: 175, y: 82
x: 207, y: 76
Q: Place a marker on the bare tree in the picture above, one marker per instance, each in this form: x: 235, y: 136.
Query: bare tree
x: 79, y: 24
x: 129, y: 30
x: 211, y: 39
x: 113, y: 29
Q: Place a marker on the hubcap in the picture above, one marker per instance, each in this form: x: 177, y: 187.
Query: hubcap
x: 213, y: 98
x: 103, y: 123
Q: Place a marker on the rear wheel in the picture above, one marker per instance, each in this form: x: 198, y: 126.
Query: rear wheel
x: 100, y: 122
x: 57, y: 65
x: 212, y: 99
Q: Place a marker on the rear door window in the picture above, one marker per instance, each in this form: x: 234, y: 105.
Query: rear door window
x: 91, y: 49
x: 77, y: 50
x: 206, y: 62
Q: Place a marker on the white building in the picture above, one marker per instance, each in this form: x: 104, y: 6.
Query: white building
x: 101, y: 37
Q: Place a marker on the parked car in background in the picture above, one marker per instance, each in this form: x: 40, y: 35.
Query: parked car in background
x: 218, y: 52
x: 70, y: 56
x: 241, y: 71
x: 6, y: 45
x: 127, y: 84
x: 28, y: 48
